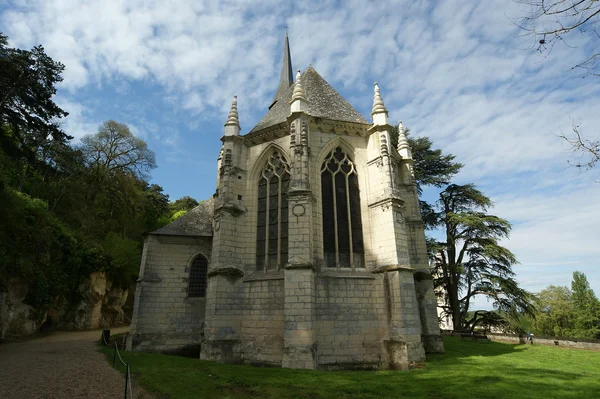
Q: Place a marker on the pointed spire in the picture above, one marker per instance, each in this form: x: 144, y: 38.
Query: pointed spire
x: 403, y: 146
x: 286, y: 78
x: 232, y: 126
x: 378, y: 105
x: 299, y: 102
x: 298, y: 89
x: 379, y: 113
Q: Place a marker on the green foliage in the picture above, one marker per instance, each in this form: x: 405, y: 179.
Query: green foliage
x: 67, y: 211
x: 471, y: 261
x: 489, y: 370
x: 587, y: 308
x: 564, y: 312
x: 431, y: 167
x: 37, y: 248
x: 555, y: 312
x: 28, y: 115
x: 177, y: 215
x: 125, y: 257
x: 183, y: 204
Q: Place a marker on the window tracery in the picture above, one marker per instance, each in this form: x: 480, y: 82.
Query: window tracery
x: 342, y: 226
x: 272, y: 221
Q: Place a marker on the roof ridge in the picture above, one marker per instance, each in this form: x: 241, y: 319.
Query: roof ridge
x: 323, y: 101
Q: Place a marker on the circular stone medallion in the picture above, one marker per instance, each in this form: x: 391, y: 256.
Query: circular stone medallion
x: 298, y: 210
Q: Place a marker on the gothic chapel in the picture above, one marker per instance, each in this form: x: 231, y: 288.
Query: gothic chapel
x: 311, y: 254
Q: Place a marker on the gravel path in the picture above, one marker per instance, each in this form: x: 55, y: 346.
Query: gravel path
x: 60, y: 365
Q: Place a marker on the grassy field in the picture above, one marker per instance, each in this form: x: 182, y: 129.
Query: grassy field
x: 467, y: 370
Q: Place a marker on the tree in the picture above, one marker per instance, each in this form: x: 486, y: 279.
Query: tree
x: 28, y: 115
x: 471, y: 261
x: 588, y: 149
x: 555, y: 312
x: 115, y: 149
x: 586, y: 308
x: 550, y: 22
x: 554, y: 21
x: 183, y: 204
x: 431, y: 167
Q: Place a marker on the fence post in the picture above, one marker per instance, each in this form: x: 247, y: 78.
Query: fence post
x: 126, y: 381
x: 115, y: 355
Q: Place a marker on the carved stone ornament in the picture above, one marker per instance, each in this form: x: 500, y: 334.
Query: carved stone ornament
x: 398, y: 216
x: 298, y: 210
x: 217, y: 225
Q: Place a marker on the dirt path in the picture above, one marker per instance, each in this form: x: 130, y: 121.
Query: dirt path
x: 59, y: 365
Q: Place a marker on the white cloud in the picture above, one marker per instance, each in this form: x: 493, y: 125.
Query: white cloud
x: 457, y: 71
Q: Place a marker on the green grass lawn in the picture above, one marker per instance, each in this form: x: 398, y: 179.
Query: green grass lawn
x: 467, y: 370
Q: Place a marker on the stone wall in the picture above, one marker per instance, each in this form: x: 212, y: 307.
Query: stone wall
x: 351, y: 322
x: 562, y: 342
x: 165, y: 318
x: 262, y: 323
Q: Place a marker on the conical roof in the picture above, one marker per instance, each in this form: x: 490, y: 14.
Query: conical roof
x: 323, y: 102
x: 197, y: 222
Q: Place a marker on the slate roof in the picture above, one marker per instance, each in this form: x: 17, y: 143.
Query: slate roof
x: 197, y: 222
x: 323, y: 102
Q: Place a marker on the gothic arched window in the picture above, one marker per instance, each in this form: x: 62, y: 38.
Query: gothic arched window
x: 342, y: 227
x: 198, y: 277
x: 272, y: 223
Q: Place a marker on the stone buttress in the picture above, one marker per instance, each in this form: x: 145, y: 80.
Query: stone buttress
x: 299, y: 308
x: 224, y: 295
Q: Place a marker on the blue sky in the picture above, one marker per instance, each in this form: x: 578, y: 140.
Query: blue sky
x: 459, y: 72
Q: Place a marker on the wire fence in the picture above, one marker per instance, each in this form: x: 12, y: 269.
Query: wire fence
x: 117, y: 355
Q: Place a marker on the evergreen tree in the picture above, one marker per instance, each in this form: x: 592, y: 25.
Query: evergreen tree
x: 471, y: 261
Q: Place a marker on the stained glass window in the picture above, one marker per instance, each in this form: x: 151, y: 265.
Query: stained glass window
x: 342, y: 227
x: 272, y: 223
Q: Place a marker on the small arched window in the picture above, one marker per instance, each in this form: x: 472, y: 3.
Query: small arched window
x: 342, y: 226
x: 272, y: 221
x: 198, y: 277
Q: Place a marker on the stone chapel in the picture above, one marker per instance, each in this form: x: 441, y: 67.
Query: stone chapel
x: 311, y: 253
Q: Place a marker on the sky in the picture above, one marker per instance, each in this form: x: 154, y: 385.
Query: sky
x: 459, y: 72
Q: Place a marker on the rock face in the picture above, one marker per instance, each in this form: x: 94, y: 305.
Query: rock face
x: 17, y: 318
x: 102, y: 305
x: 89, y: 310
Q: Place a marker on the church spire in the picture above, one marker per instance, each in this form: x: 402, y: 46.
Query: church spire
x: 286, y: 78
x: 232, y: 126
x: 379, y: 112
x: 403, y: 146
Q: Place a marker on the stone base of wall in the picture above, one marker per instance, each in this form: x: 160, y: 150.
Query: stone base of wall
x: 163, y: 343
x: 225, y: 351
x: 432, y: 343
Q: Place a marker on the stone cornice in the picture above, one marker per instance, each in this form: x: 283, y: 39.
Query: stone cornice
x: 379, y: 128
x: 389, y: 201
x: 315, y: 123
x: 300, y: 266
x: 338, y: 127
x: 225, y: 139
x: 392, y: 268
x: 227, y: 271
x: 231, y: 208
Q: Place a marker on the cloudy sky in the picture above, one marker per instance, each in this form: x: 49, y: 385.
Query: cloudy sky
x: 459, y: 72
